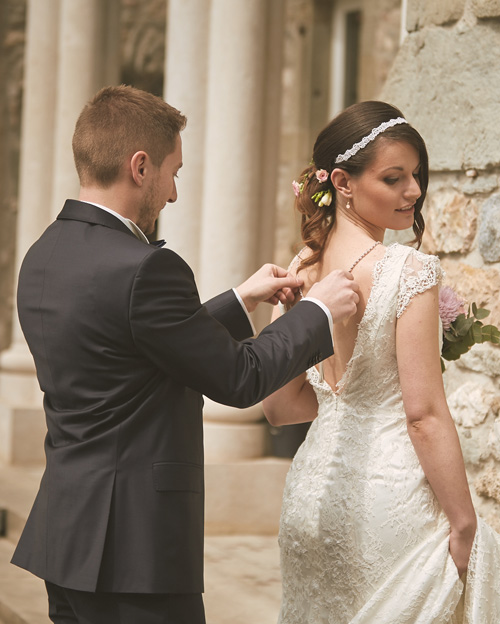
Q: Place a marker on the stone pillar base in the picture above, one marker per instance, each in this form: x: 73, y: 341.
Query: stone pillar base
x: 22, y: 419
x: 234, y: 441
x: 244, y: 497
x: 22, y: 433
x: 233, y: 434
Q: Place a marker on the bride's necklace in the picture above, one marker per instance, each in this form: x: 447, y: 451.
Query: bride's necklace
x: 365, y: 253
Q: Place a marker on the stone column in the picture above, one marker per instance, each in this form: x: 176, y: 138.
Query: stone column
x: 71, y: 51
x: 224, y: 74
x: 88, y: 49
x: 186, y: 69
x: 239, y: 182
x: 232, y: 190
x: 18, y: 385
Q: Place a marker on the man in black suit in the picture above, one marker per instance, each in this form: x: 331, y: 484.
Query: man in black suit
x: 124, y: 352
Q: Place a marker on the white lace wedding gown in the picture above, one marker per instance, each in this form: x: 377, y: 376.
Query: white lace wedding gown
x: 363, y: 539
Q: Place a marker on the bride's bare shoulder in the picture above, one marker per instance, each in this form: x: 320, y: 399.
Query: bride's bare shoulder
x: 308, y: 273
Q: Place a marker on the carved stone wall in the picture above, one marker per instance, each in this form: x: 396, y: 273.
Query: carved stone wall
x: 143, y: 24
x: 445, y: 80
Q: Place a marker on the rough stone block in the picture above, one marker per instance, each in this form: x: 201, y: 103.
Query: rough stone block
x: 480, y: 183
x: 460, y: 121
x: 489, y: 484
x: 482, y: 358
x: 472, y: 403
x: 474, y: 443
x: 486, y: 8
x: 489, y: 229
x: 451, y: 222
x: 494, y: 440
x: 425, y: 12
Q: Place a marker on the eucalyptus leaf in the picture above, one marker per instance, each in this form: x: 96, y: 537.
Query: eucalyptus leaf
x: 489, y: 333
x: 477, y: 332
x: 481, y: 313
x: 463, y: 325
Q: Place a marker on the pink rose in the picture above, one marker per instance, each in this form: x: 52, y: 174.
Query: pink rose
x: 322, y: 175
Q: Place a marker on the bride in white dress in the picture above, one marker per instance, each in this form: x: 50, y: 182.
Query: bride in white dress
x: 377, y: 525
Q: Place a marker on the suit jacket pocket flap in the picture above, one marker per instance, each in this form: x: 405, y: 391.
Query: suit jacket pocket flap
x: 176, y: 477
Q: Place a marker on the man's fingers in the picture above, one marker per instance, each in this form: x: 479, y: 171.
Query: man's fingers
x: 289, y: 281
x: 277, y: 271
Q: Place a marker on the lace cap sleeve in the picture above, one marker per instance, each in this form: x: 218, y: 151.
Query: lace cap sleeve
x: 420, y: 272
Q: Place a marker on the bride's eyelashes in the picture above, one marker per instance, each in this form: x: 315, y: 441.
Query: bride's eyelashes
x: 392, y: 181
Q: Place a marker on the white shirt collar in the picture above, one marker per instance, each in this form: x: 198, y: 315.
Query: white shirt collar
x: 133, y: 227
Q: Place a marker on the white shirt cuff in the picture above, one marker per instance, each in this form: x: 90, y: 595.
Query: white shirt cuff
x: 237, y: 294
x: 325, y: 310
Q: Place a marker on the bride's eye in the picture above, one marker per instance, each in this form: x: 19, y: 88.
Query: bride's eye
x: 391, y: 180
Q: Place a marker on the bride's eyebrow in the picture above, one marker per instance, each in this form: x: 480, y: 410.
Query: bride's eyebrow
x: 392, y: 169
x: 398, y: 168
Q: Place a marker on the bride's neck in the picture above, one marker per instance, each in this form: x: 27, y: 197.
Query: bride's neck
x: 351, y: 230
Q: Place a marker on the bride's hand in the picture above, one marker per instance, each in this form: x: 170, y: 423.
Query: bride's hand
x: 461, y: 546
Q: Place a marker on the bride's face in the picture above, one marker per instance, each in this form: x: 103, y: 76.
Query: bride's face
x: 384, y: 195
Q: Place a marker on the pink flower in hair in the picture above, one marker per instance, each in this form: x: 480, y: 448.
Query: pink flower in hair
x: 297, y: 187
x: 321, y: 175
x: 450, y: 306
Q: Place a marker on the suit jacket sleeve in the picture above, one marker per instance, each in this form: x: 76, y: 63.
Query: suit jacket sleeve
x: 171, y: 327
x: 227, y: 310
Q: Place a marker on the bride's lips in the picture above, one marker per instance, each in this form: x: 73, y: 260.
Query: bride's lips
x: 406, y: 208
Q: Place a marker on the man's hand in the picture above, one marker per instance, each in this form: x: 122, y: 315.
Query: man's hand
x: 271, y: 284
x: 339, y: 293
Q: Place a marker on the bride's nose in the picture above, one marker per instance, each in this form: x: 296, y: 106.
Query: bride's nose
x: 413, y: 191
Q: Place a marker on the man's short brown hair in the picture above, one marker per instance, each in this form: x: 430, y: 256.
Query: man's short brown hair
x: 115, y: 124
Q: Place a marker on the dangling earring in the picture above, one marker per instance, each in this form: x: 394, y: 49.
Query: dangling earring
x: 348, y: 205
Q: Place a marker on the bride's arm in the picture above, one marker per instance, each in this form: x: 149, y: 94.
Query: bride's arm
x: 293, y: 403
x: 430, y: 425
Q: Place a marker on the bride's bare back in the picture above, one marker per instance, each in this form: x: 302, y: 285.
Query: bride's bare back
x: 342, y: 255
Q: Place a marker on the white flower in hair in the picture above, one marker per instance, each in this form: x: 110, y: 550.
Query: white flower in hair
x: 326, y: 200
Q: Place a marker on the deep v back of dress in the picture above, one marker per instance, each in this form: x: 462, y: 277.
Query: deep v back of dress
x: 363, y: 539
x: 333, y: 369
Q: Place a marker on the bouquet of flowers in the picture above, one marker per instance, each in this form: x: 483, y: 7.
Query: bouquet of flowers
x: 462, y: 329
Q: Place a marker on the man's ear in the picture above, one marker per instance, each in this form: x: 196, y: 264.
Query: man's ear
x: 341, y: 181
x: 139, y: 167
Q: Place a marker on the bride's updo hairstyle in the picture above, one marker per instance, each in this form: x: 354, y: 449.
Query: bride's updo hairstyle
x: 339, y: 136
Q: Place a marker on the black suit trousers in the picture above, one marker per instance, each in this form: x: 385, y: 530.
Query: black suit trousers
x: 70, y: 606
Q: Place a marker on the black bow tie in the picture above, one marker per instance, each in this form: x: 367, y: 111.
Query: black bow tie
x: 158, y: 243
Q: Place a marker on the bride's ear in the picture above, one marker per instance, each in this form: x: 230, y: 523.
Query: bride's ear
x: 341, y: 181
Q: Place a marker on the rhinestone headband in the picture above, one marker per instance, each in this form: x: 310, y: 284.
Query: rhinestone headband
x: 368, y: 138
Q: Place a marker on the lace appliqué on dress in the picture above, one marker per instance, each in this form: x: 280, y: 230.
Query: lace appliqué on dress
x: 420, y: 273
